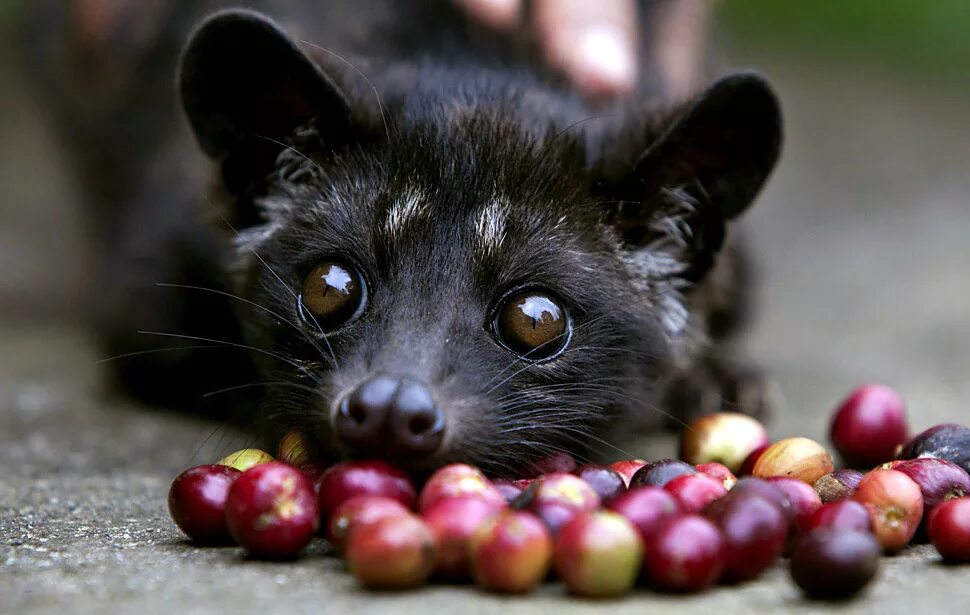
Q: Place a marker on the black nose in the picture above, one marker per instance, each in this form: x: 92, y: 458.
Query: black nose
x: 386, y: 414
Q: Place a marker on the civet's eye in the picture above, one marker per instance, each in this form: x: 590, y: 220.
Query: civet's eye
x: 533, y: 324
x: 332, y: 294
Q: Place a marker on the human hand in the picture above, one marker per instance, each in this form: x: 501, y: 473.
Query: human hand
x: 592, y: 43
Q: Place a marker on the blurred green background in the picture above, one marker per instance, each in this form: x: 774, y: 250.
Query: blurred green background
x: 924, y: 35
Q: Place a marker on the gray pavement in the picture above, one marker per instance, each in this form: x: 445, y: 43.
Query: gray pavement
x: 862, y: 237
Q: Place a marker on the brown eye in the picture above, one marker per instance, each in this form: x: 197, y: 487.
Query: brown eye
x: 533, y: 324
x: 332, y: 294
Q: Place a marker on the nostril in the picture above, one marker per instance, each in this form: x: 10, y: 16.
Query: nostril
x: 351, y: 411
x: 419, y: 424
x: 416, y: 424
x: 361, y: 414
x: 344, y: 408
x: 387, y: 414
x: 358, y: 414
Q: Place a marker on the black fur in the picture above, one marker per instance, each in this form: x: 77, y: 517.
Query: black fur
x: 620, y: 212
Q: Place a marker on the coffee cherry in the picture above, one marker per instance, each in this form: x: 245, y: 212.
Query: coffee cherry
x: 511, y: 552
x: 197, y: 502
x: 360, y: 510
x: 869, y: 426
x: 895, y: 506
x: 799, y: 458
x: 837, y: 485
x: 695, y: 491
x: 523, y: 483
x: 949, y: 530
x: 947, y: 441
x: 345, y: 480
x: 453, y: 521
x: 804, y: 500
x: 831, y: 563
x: 687, y: 555
x: 313, y: 471
x: 598, y: 553
x: 649, y: 509
x: 659, y: 473
x: 726, y: 437
x: 396, y: 552
x: 605, y: 482
x: 939, y: 480
x: 553, y: 514
x: 271, y: 511
x: 754, y: 530
x: 765, y: 489
x: 293, y: 449
x: 626, y: 469
x: 747, y: 467
x: 560, y: 496
x: 508, y: 489
x: 841, y: 515
x: 457, y: 480
x: 718, y: 471
x: 553, y: 464
x: 244, y: 459
x: 889, y: 465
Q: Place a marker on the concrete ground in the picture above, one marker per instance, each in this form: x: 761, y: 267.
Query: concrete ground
x: 862, y: 236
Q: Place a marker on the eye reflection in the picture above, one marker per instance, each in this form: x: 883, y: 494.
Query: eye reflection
x: 533, y: 324
x: 332, y: 293
x: 540, y: 309
x: 338, y: 279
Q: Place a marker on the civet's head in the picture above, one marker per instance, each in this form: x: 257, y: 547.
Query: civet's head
x: 446, y: 283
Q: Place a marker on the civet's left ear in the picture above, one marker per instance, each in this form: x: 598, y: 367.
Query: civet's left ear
x: 716, y: 154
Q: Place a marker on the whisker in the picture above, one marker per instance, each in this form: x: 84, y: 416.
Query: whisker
x: 273, y: 313
x: 213, y: 432
x: 139, y: 353
x: 248, y: 385
x: 544, y: 425
x: 586, y: 435
x: 377, y: 95
x: 618, y: 393
x: 540, y: 417
x: 289, y: 290
x: 653, y: 407
x: 547, y: 146
x: 528, y: 365
x: 279, y: 357
x: 292, y: 149
x: 607, y: 383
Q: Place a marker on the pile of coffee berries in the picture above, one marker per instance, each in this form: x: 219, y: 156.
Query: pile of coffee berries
x: 728, y: 510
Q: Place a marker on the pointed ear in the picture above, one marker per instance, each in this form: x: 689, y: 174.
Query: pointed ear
x: 704, y: 170
x: 244, y: 85
x: 728, y: 141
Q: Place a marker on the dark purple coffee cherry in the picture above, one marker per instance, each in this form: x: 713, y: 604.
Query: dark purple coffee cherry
x: 833, y: 563
x: 607, y: 483
x: 947, y: 441
x: 659, y: 473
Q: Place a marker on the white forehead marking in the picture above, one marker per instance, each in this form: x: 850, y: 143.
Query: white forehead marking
x: 491, y: 226
x: 411, y: 205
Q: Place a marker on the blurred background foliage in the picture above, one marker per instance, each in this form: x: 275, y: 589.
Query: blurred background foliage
x: 923, y: 35
x: 10, y: 10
